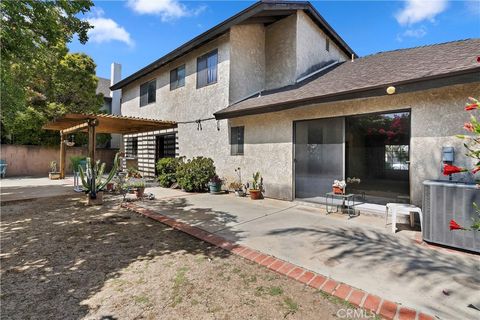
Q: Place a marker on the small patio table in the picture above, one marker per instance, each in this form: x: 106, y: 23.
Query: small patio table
x: 348, y: 202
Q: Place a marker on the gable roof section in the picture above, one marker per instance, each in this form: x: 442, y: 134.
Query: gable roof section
x: 408, y: 70
x: 266, y: 11
x: 103, y: 86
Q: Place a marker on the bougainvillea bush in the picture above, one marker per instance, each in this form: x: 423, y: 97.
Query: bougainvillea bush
x: 472, y: 144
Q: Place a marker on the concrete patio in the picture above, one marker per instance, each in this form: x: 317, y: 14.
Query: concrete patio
x: 361, y: 252
x: 24, y: 188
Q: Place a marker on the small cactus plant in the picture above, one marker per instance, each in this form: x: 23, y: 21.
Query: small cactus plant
x: 92, y: 177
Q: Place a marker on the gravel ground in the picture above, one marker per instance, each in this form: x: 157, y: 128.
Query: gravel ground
x: 63, y: 260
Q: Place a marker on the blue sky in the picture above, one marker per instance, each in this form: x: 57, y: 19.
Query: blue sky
x: 137, y: 32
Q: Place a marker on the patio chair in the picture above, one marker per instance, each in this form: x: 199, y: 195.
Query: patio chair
x: 402, y: 209
x: 3, y: 168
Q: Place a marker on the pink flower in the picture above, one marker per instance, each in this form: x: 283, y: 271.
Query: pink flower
x: 381, y: 131
x: 468, y: 126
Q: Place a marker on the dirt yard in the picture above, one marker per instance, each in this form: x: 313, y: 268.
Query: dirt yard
x: 63, y: 260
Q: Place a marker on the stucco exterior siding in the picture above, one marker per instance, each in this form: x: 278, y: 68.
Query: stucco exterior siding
x: 247, y: 61
x: 280, y: 53
x: 186, y: 103
x: 311, y: 47
x: 436, y: 117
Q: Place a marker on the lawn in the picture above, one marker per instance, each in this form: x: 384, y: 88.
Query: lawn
x: 63, y: 260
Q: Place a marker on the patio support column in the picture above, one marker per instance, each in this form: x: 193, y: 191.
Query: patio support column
x: 91, y: 153
x: 92, y: 139
x: 62, y: 155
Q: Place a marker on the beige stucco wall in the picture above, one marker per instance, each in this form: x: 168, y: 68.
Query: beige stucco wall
x: 247, y: 60
x: 311, y: 47
x: 280, y: 52
x: 188, y: 103
x: 436, y: 116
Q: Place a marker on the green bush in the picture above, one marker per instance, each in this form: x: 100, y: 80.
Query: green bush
x: 194, y: 174
x: 167, y: 168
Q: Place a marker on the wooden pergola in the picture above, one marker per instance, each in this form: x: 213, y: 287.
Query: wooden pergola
x: 101, y: 123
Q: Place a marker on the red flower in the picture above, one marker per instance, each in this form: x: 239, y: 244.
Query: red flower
x: 470, y: 107
x: 478, y: 59
x: 468, y: 126
x: 381, y: 131
x: 477, y: 169
x: 449, y: 169
x: 455, y: 226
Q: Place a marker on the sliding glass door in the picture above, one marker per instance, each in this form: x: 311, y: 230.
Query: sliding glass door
x: 319, y: 154
x: 378, y: 152
x: 374, y: 148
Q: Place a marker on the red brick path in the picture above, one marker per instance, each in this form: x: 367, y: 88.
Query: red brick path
x: 385, y: 308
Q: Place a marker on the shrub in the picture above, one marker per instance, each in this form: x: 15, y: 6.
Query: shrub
x: 194, y: 174
x: 167, y: 168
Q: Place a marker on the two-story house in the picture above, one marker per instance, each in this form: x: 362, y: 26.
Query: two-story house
x: 275, y: 89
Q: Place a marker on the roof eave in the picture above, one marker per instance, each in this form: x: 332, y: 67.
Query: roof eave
x: 407, y: 86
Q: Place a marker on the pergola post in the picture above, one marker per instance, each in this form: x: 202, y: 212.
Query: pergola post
x: 92, y: 139
x: 91, y: 153
x: 62, y: 155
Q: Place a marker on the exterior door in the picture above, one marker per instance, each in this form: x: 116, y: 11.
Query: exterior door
x: 165, y: 147
x: 318, y: 157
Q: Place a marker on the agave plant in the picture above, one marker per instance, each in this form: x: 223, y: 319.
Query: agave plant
x: 92, y: 177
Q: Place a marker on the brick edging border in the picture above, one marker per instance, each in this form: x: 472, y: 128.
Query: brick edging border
x: 385, y: 308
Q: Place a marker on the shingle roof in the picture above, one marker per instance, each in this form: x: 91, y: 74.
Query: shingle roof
x: 103, y: 86
x: 373, y: 71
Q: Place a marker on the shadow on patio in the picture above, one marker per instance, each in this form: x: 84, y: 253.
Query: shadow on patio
x: 403, y: 262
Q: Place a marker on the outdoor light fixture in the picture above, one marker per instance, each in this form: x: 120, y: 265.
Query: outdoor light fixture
x: 391, y: 90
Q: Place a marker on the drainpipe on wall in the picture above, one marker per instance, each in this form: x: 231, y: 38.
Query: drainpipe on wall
x: 116, y: 95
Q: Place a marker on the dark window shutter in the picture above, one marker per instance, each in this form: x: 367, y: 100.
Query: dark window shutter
x: 152, y: 88
x: 143, y: 94
x: 201, y: 72
x: 173, y: 79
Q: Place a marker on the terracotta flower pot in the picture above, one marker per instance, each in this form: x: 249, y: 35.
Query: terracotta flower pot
x: 255, y: 194
x: 97, y: 201
x: 54, y: 175
x: 337, y: 190
x: 139, y: 192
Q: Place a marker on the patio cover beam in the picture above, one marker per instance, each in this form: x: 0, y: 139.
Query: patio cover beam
x: 101, y: 123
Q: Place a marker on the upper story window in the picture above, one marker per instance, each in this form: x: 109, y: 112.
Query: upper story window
x: 148, y: 92
x: 177, y: 78
x: 327, y: 44
x: 236, y: 140
x: 207, y: 69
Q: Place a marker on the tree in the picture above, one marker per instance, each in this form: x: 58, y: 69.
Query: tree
x: 40, y: 79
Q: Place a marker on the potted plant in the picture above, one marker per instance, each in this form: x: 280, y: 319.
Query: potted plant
x: 238, y: 188
x: 215, y: 184
x: 53, y: 174
x: 138, y: 186
x: 92, y: 180
x: 257, y: 185
x: 339, y: 186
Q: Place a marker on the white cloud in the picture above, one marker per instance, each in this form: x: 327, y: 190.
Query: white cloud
x: 106, y: 30
x: 167, y: 9
x: 412, y: 33
x: 415, y: 33
x: 419, y: 10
